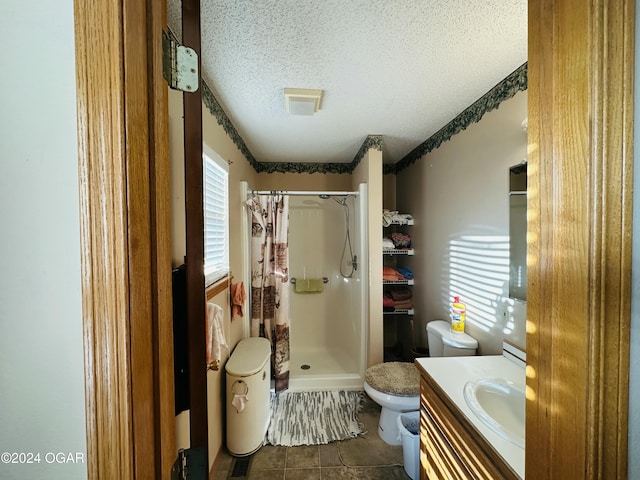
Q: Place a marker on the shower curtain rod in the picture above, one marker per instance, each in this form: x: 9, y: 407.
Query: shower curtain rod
x: 300, y: 192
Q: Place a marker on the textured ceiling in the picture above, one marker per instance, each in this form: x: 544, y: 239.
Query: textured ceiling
x: 398, y: 68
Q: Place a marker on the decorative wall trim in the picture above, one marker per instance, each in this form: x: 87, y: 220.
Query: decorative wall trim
x: 302, y: 167
x: 212, y: 104
x: 371, y: 142
x: 507, y: 88
x: 388, y: 168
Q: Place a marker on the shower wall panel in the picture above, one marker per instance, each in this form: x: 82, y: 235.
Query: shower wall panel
x: 327, y: 326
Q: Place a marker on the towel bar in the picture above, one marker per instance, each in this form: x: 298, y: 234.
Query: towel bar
x: 293, y: 280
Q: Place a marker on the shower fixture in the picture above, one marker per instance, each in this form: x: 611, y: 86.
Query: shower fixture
x: 339, y: 201
x: 347, y: 238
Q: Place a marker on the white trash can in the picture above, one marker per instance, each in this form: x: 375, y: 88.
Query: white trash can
x: 248, y: 397
x: 409, y: 427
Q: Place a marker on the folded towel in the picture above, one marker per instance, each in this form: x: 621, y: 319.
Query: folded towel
x: 309, y: 285
x: 215, y: 333
x: 237, y: 299
x: 403, y: 304
x: 387, y: 244
x: 392, y: 275
x: 389, y: 217
x: 401, y: 240
x: 387, y: 301
x: 399, y: 294
x: 405, y: 272
x: 389, y: 273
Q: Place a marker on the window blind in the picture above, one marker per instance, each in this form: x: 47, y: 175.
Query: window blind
x: 216, y: 244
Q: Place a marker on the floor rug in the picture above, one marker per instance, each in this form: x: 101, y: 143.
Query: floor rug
x: 314, y: 418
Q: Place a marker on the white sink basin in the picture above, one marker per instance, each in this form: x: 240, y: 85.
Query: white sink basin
x: 499, y: 404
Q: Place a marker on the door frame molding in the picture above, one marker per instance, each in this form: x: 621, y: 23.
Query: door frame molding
x: 123, y: 160
x: 581, y: 69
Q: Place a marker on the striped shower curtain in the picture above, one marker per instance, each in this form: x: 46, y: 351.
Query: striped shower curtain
x: 270, y: 279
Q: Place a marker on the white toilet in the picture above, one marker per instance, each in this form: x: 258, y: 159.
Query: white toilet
x: 395, y: 386
x: 445, y: 343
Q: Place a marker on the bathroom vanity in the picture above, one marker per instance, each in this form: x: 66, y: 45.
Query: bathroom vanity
x: 455, y: 443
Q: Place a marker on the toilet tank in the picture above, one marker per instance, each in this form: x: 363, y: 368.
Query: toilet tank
x: 445, y: 343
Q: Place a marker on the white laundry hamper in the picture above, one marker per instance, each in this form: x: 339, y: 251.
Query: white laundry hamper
x: 248, y: 398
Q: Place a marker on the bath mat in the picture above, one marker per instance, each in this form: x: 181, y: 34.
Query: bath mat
x: 314, y: 418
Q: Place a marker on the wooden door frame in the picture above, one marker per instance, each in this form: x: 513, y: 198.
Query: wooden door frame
x: 125, y: 238
x: 194, y: 258
x: 581, y: 69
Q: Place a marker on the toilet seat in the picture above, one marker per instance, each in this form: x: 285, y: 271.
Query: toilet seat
x: 394, y: 378
x: 395, y: 386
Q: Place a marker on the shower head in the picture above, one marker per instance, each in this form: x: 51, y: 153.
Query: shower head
x: 339, y: 201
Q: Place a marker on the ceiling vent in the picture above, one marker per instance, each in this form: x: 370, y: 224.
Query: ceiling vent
x: 299, y: 101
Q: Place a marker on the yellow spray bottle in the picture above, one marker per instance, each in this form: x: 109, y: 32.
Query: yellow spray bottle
x: 458, y: 315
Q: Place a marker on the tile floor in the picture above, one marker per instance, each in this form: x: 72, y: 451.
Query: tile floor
x: 365, y: 457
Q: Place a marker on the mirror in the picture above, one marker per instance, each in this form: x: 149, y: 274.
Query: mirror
x: 518, y: 232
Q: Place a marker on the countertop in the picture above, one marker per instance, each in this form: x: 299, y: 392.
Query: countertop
x: 442, y: 369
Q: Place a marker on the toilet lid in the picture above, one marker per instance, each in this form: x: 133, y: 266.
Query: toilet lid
x: 394, y: 378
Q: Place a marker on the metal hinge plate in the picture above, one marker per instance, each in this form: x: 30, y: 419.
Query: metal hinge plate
x: 190, y: 465
x: 179, y: 65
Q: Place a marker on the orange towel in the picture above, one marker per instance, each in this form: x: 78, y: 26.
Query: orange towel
x: 237, y: 299
x: 391, y: 274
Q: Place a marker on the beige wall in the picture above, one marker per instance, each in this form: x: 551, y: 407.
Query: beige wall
x: 216, y: 379
x: 303, y: 181
x: 389, y: 191
x: 459, y: 194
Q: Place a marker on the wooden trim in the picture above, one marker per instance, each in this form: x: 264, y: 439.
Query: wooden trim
x: 160, y: 202
x: 218, y: 287
x: 194, y: 219
x: 613, y: 30
x: 579, y: 229
x: 136, y: 104
x: 126, y: 283
x: 104, y: 244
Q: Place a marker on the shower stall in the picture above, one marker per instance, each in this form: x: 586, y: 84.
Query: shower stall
x: 328, y: 328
